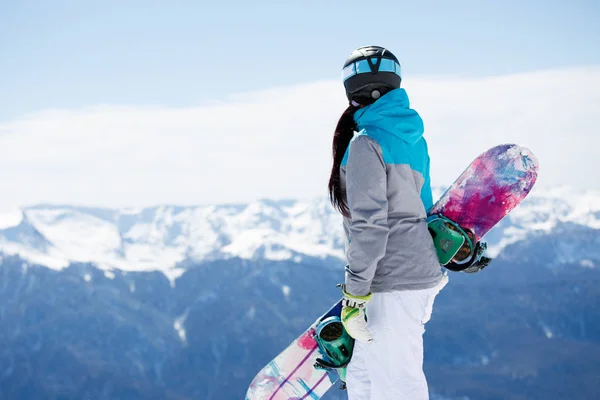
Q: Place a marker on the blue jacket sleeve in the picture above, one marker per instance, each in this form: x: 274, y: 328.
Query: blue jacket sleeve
x: 366, y: 192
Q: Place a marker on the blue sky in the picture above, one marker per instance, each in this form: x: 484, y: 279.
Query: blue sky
x: 72, y: 53
x: 139, y: 103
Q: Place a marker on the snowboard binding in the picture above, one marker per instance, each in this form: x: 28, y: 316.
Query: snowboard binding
x: 457, y: 248
x: 335, y: 345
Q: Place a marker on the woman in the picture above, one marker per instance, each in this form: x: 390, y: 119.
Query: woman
x: 380, y: 183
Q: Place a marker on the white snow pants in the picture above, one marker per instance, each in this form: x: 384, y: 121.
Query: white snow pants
x: 391, y: 367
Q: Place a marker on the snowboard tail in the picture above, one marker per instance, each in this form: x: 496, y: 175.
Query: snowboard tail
x: 292, y: 375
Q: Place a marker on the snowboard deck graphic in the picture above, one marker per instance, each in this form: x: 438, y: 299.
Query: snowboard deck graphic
x: 292, y: 375
x: 487, y: 190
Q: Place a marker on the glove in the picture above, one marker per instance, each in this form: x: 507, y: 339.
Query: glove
x: 353, y: 316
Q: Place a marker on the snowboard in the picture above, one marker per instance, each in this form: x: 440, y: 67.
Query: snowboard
x: 487, y: 190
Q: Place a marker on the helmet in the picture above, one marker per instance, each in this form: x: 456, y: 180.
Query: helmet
x: 369, y: 73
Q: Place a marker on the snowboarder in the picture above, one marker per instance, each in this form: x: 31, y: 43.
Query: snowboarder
x: 380, y: 183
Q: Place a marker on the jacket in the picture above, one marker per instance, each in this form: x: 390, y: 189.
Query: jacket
x: 385, y: 175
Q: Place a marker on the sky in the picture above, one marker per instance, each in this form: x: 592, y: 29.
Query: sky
x: 135, y: 103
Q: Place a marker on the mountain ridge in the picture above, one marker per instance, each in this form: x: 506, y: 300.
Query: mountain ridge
x: 167, y: 238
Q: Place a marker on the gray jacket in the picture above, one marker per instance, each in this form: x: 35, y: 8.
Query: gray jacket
x: 385, y: 174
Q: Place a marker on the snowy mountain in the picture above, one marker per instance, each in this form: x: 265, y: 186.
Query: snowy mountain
x: 167, y: 238
x: 185, y: 303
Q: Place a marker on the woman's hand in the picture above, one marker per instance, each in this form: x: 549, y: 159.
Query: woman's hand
x: 353, y: 316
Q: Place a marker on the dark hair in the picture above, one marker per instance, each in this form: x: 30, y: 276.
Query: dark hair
x: 344, y: 132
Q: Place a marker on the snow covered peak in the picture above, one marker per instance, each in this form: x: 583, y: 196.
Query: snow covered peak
x: 546, y: 209
x: 167, y: 238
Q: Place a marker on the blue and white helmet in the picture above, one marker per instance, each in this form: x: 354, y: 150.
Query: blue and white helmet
x: 369, y: 73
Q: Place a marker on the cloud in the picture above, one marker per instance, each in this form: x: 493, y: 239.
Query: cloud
x: 276, y: 143
x: 554, y: 113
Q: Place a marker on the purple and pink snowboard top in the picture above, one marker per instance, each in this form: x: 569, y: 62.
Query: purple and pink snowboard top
x: 490, y: 188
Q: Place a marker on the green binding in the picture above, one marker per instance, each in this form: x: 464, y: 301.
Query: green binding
x: 335, y: 344
x: 448, y: 237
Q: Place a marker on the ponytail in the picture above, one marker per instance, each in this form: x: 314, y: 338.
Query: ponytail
x: 344, y: 132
